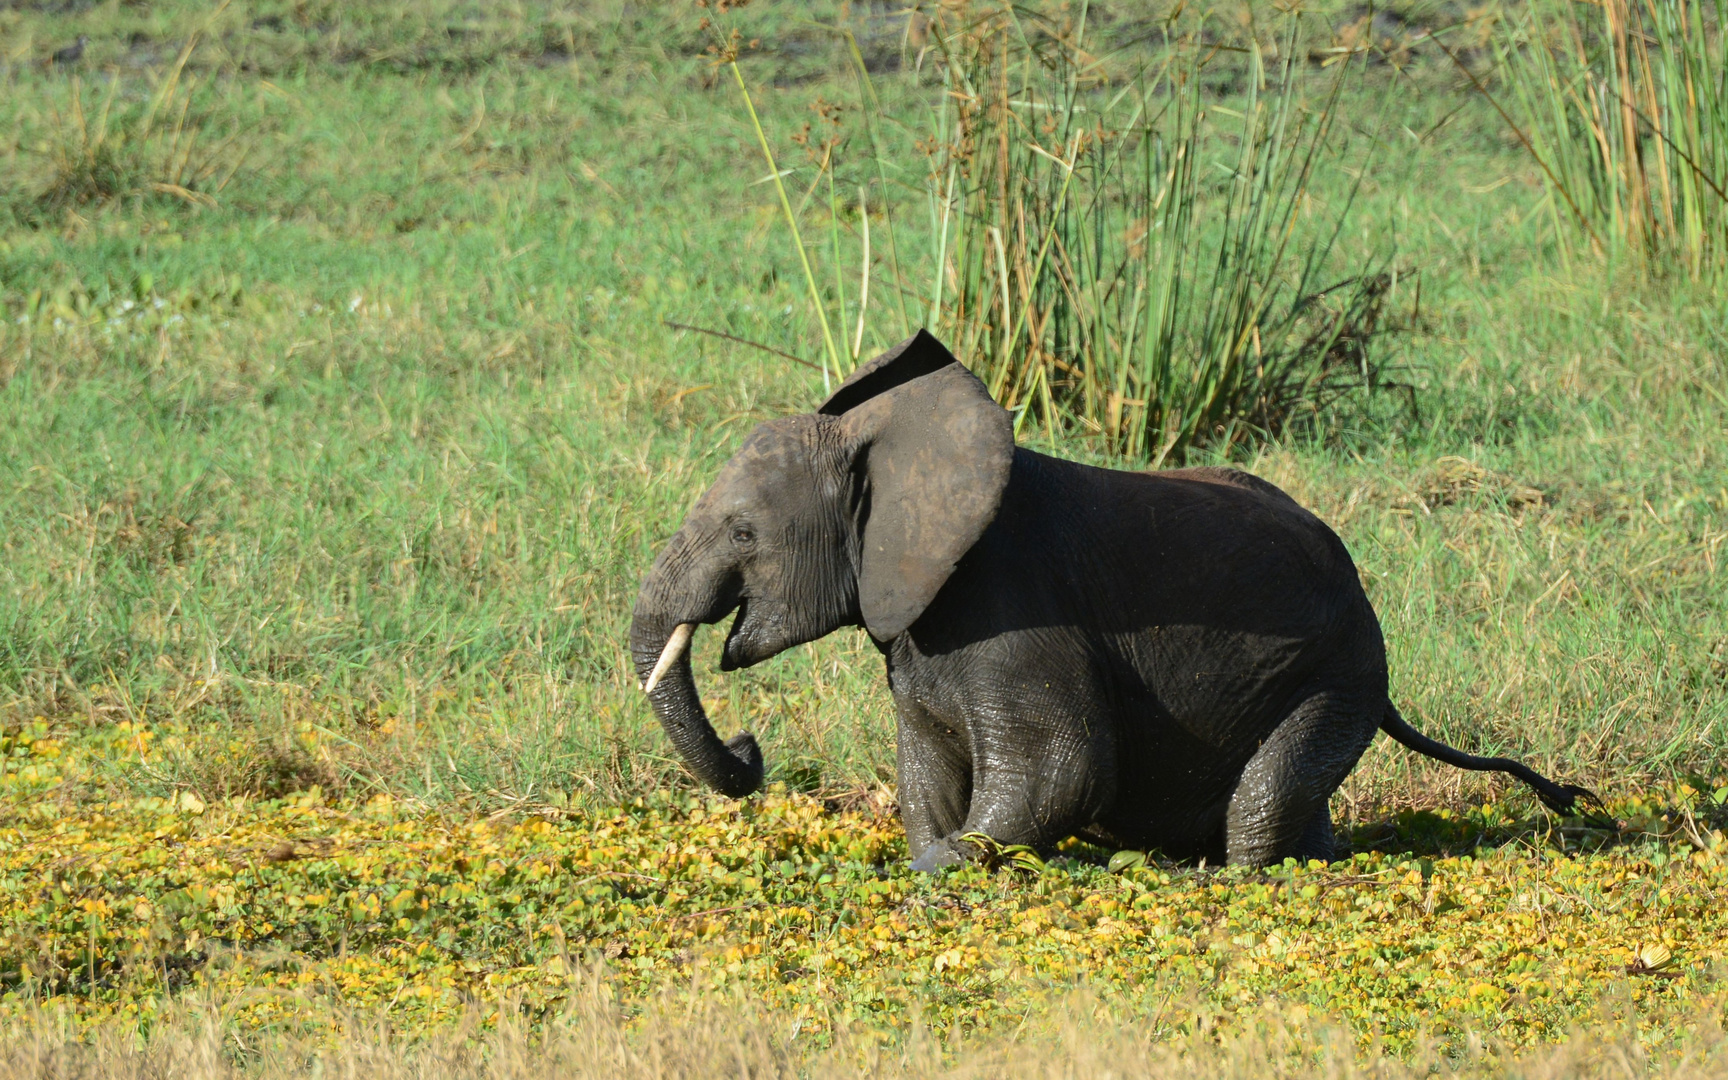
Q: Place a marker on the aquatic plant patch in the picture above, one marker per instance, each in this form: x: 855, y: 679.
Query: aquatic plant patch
x: 305, y: 914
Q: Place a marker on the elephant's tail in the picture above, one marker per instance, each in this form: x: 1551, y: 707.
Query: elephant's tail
x: 1560, y: 798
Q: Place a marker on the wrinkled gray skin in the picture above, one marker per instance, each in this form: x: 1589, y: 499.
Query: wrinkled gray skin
x: 1182, y: 660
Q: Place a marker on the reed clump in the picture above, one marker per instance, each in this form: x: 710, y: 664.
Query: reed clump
x: 156, y: 148
x: 1124, y: 256
x: 1125, y: 259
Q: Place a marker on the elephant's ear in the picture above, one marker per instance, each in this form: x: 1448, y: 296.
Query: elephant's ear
x: 932, y: 452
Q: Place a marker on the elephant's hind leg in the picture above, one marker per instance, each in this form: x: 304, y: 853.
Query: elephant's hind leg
x: 1279, y: 808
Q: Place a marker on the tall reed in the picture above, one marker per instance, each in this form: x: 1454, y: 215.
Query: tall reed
x: 1119, y: 258
x: 1624, y: 104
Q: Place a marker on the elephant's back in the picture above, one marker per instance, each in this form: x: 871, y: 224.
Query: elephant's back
x: 1205, y: 546
x: 1239, y: 513
x: 1215, y: 595
x: 1171, y: 569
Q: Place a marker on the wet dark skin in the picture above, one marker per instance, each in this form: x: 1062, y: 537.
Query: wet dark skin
x: 1182, y: 660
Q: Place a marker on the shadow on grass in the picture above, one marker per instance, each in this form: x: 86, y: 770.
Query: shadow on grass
x: 1686, y: 817
x: 1439, y: 834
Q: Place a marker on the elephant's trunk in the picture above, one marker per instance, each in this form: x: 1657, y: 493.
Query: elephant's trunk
x: 733, y: 767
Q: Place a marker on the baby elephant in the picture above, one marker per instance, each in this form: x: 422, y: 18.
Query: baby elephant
x: 1182, y: 660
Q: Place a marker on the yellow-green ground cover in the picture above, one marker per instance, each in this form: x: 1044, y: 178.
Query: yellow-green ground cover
x: 304, y: 915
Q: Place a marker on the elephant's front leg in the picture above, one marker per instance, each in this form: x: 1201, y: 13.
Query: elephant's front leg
x: 934, y: 774
x: 1038, y: 776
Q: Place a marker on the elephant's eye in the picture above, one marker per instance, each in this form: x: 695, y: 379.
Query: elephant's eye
x: 743, y: 534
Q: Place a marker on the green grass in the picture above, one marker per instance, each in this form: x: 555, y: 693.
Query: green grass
x: 365, y: 501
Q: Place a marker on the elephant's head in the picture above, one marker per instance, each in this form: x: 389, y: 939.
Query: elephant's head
x: 855, y: 514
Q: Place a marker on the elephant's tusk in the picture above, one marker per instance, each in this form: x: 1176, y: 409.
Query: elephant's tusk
x: 675, y: 646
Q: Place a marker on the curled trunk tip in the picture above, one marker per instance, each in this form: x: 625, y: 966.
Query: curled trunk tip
x: 732, y: 767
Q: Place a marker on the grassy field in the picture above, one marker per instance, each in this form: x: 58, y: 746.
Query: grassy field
x: 339, y: 416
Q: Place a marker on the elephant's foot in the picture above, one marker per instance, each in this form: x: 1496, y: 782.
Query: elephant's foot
x: 940, y: 854
x: 1317, y: 840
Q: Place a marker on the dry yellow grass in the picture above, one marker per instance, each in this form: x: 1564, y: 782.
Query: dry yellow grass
x: 686, y: 1037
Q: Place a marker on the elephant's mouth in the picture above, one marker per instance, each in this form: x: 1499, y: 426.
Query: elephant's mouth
x: 737, y: 652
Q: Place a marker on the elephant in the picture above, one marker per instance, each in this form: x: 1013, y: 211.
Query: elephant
x: 1181, y: 660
